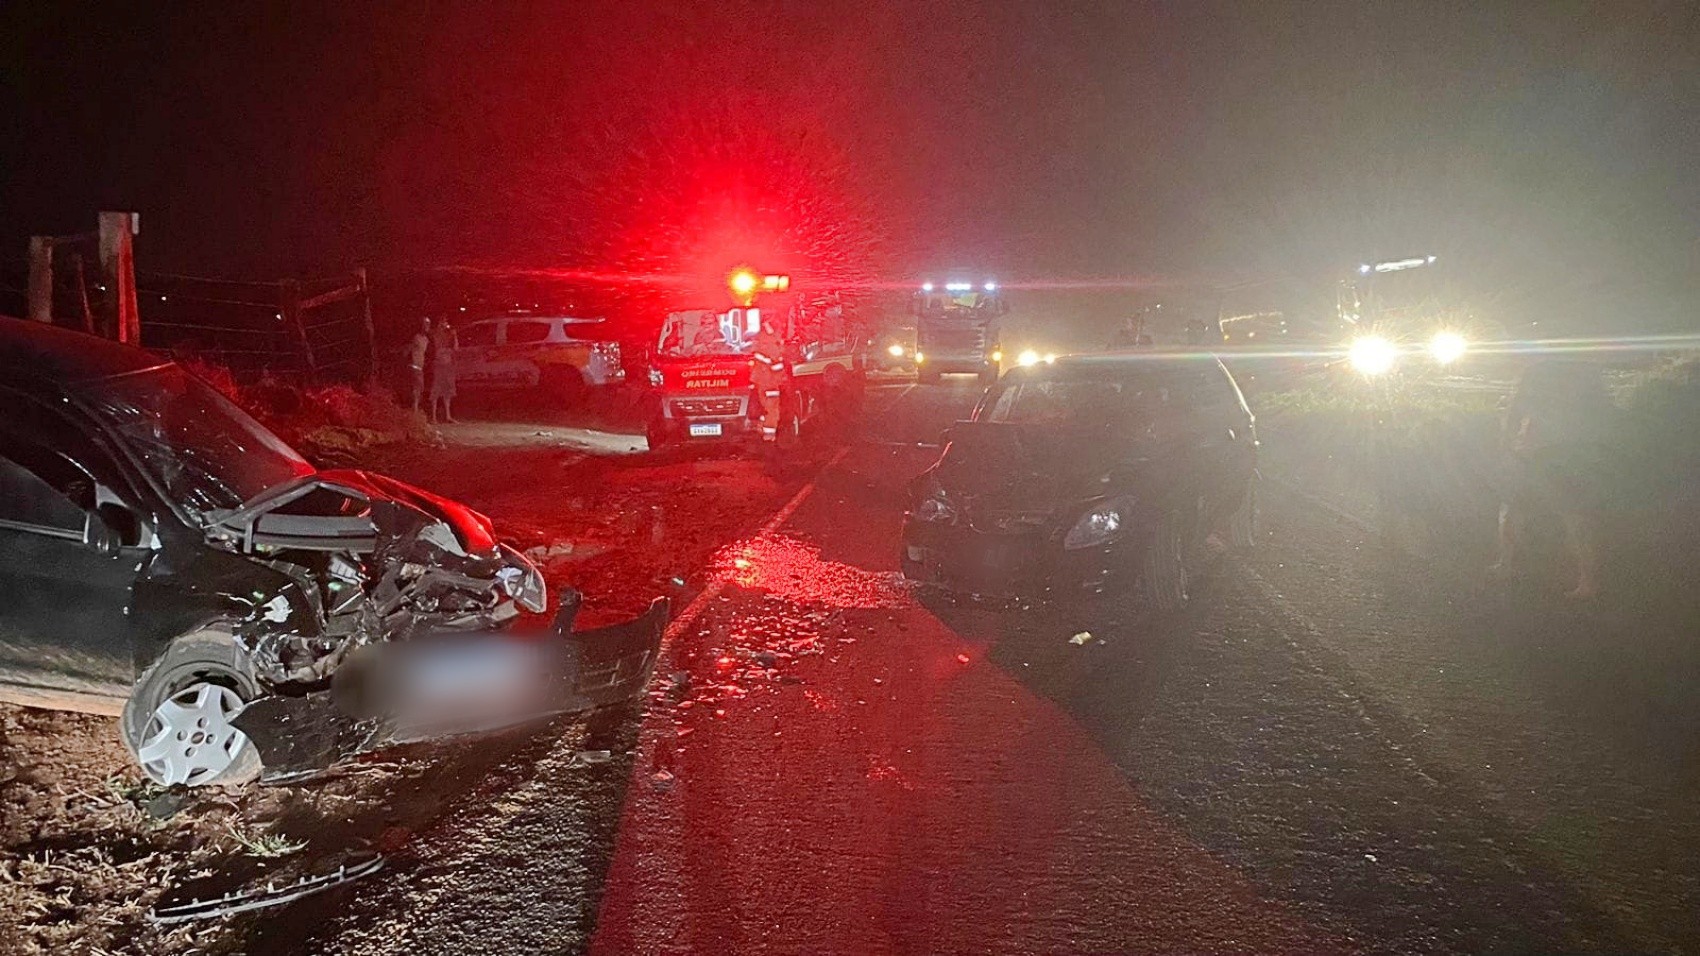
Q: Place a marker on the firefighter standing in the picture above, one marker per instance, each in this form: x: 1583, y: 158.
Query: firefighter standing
x: 770, y: 376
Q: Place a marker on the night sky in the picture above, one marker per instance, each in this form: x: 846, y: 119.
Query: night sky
x: 1551, y: 148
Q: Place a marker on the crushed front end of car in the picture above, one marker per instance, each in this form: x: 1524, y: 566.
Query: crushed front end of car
x: 393, y: 625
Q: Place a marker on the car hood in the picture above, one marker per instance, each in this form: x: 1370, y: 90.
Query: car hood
x: 473, y: 530
x: 996, y: 466
x: 393, y: 503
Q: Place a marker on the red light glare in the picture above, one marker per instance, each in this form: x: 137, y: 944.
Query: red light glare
x: 743, y: 282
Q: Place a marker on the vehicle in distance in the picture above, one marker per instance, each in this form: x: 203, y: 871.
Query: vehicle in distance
x: 1088, y: 477
x: 957, y: 326
x: 167, y: 559
x: 557, y: 355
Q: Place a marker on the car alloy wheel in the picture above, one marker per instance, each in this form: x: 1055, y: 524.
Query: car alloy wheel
x: 189, y: 738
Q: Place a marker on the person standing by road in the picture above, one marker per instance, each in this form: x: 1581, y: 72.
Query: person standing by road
x: 1552, y: 437
x: 444, y: 341
x: 417, y: 347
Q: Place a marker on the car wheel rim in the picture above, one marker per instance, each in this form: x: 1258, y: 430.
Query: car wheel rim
x: 189, y: 738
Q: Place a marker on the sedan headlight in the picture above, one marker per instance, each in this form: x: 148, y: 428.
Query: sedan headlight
x: 523, y: 582
x: 934, y: 505
x: 1099, y: 525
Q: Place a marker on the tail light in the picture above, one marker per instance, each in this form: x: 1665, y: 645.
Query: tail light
x: 610, y: 352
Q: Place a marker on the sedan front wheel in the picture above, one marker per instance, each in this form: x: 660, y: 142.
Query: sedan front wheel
x: 1163, y: 577
x: 177, y: 723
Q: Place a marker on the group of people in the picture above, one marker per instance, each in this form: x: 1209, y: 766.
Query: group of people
x: 432, y: 346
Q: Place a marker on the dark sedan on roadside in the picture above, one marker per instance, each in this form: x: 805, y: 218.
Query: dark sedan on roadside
x: 167, y: 559
x: 1087, y: 477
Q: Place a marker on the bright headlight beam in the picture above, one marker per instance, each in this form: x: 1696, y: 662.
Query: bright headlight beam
x: 1372, y: 355
x: 1027, y: 357
x: 1447, y: 347
x: 895, y: 350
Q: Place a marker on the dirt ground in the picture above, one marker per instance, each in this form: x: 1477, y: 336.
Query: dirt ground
x: 87, y: 848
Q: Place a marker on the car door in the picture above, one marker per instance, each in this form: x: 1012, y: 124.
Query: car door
x: 1217, y: 430
x: 475, y: 355
x: 524, y: 345
x: 64, y: 591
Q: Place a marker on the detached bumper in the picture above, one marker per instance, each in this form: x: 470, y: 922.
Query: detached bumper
x: 450, y: 685
x: 1028, y: 566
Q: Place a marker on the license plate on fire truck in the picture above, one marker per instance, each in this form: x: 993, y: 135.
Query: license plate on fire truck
x: 705, y: 429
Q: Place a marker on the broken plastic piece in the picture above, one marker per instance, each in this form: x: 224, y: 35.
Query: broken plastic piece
x: 241, y: 901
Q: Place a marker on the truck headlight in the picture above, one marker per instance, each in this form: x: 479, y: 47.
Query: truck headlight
x: 895, y: 351
x: 1372, y: 355
x: 1447, y: 347
x: 1099, y: 525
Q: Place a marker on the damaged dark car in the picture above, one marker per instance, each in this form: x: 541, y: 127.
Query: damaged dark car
x: 1092, y: 478
x: 167, y: 559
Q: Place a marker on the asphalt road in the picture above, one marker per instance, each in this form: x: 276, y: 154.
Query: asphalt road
x: 1334, y: 748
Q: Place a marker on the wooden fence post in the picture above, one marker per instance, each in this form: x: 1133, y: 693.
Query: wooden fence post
x: 41, y: 279
x: 289, y: 303
x: 118, y: 264
x: 371, y: 334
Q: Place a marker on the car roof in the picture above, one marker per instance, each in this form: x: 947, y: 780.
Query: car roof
x: 41, y: 352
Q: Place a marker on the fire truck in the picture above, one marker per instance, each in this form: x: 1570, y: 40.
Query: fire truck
x: 763, y: 370
x: 956, y: 326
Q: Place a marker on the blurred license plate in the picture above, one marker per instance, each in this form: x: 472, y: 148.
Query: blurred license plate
x: 705, y: 430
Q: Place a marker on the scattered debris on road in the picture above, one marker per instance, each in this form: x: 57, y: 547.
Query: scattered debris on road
x: 241, y: 901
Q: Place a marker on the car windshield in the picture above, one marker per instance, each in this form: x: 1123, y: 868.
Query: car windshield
x: 702, y: 332
x: 202, y: 451
x: 1070, y: 402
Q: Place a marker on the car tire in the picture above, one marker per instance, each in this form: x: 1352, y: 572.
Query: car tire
x: 202, y: 671
x: 656, y: 433
x: 1242, y: 525
x: 1163, y: 573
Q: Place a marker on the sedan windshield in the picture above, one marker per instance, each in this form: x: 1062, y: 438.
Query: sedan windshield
x: 1064, y: 402
x: 202, y: 451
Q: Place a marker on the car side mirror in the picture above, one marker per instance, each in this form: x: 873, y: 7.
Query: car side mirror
x: 99, y: 536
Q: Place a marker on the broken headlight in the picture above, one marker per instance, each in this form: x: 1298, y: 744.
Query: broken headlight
x: 1099, y: 525
x: 934, y: 505
x: 523, y: 582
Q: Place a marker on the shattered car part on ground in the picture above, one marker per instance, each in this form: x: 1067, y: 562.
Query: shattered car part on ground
x: 241, y: 901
